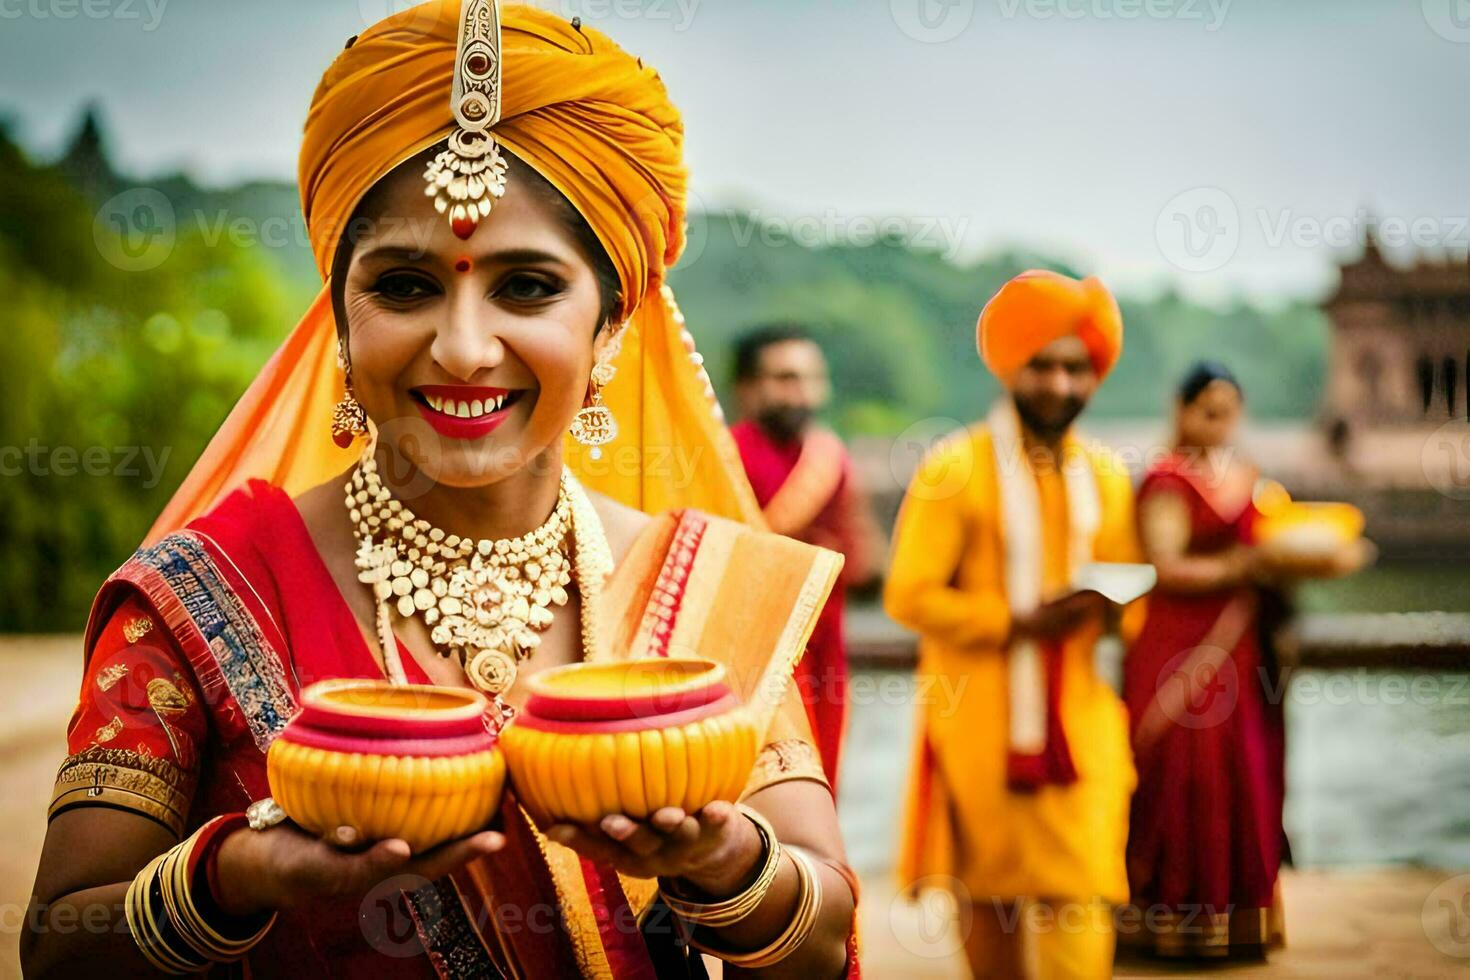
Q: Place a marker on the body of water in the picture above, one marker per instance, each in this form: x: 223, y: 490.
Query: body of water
x: 1378, y: 769
x: 1378, y: 763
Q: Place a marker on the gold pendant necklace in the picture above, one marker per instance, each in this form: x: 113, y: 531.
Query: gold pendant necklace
x: 485, y: 602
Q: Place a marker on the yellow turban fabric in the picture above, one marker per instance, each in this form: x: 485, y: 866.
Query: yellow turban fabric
x: 589, y: 117
x: 595, y: 122
x: 1038, y: 307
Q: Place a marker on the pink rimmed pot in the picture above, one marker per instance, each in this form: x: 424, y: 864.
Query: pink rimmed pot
x: 629, y: 737
x: 413, y: 761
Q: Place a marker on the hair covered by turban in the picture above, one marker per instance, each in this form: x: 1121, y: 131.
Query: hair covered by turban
x: 1040, y: 306
x: 599, y: 126
x: 582, y: 112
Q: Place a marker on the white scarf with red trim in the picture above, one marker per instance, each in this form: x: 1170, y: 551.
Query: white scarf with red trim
x: 1037, y: 750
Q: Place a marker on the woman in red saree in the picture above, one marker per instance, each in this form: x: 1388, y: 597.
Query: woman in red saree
x: 1205, y: 839
x: 477, y: 320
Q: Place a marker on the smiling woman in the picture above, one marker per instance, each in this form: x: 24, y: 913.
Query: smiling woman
x: 455, y: 535
x: 417, y: 330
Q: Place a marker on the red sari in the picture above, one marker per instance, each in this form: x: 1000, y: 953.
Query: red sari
x: 1205, y: 840
x: 199, y: 646
x: 806, y: 490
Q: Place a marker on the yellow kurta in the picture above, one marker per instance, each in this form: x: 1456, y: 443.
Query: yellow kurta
x: 947, y: 583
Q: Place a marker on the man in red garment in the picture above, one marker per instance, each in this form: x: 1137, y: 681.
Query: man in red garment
x: 803, y: 479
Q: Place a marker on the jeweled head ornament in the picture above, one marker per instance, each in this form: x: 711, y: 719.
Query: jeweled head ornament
x: 465, y: 176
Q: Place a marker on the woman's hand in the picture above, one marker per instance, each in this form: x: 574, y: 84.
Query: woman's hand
x: 717, y: 850
x: 284, y: 866
x: 1355, y: 557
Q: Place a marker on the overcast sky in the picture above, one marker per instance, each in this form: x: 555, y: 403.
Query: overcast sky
x: 1215, y: 145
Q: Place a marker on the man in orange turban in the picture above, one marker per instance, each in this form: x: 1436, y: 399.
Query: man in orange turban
x: 1019, y: 795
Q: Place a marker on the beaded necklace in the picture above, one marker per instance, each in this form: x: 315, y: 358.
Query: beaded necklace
x: 485, y: 602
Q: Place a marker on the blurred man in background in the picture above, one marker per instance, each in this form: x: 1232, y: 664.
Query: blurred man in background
x: 804, y: 482
x: 1018, y: 799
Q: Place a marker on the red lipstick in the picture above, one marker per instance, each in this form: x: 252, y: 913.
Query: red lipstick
x: 465, y: 411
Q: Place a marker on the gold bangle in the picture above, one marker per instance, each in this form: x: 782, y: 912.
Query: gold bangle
x: 146, y: 919
x: 166, y: 923
x: 192, y: 925
x: 726, y: 912
x: 808, y: 907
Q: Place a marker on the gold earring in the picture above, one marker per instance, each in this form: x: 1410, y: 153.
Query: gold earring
x: 595, y: 424
x: 349, y: 420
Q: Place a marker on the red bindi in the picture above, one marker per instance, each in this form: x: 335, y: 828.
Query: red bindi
x: 462, y: 265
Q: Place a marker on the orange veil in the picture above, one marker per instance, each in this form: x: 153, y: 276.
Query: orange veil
x: 595, y: 122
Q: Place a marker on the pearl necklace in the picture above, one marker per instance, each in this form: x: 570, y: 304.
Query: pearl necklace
x: 485, y: 602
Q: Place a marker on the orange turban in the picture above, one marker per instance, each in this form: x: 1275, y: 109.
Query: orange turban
x: 589, y: 117
x: 1038, y: 307
x: 597, y: 124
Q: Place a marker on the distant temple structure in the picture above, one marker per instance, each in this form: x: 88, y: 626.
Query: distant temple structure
x: 1395, y: 418
x: 1400, y: 351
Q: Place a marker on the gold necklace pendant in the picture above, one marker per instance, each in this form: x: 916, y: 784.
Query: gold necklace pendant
x: 492, y: 671
x: 485, y: 602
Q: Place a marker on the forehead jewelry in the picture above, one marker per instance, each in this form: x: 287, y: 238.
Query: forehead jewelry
x: 462, y: 264
x: 470, y: 172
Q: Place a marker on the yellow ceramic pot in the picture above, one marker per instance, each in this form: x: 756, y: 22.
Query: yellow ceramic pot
x: 412, y: 761
x: 629, y: 737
